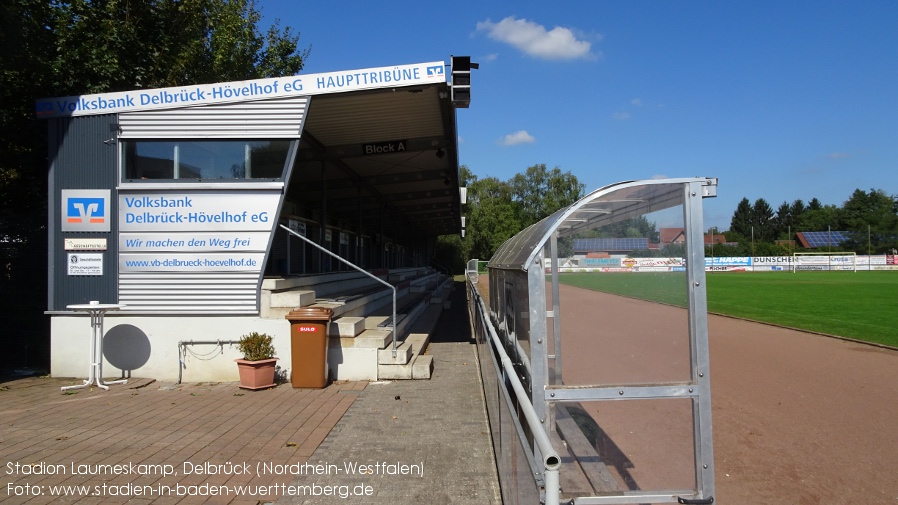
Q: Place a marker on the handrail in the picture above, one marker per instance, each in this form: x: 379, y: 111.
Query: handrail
x: 360, y: 269
x: 442, y: 267
x: 551, y: 461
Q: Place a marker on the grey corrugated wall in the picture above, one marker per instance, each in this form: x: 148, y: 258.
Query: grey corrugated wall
x: 82, y: 155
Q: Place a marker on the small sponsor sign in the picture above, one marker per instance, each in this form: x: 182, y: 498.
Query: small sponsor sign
x: 85, y: 264
x: 85, y: 244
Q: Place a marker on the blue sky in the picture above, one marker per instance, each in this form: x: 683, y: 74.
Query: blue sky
x: 779, y: 100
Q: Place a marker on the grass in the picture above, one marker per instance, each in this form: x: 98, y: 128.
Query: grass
x: 858, y: 305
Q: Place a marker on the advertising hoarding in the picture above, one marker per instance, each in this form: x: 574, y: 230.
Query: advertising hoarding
x: 210, y: 231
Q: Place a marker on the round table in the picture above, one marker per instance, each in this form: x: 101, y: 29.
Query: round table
x: 95, y: 371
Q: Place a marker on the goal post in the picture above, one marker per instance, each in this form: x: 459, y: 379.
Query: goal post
x: 824, y: 261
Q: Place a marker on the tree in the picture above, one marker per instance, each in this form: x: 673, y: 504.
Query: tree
x: 870, y: 217
x: 783, y: 221
x: 539, y: 192
x: 72, y: 47
x: 821, y: 218
x: 109, y: 45
x: 496, y: 210
x: 635, y: 227
x: 741, y: 222
x: 762, y: 220
x: 797, y: 209
x: 492, y: 215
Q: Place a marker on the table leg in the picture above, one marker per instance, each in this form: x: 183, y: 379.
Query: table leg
x: 95, y: 370
x: 100, y: 360
x: 93, y: 359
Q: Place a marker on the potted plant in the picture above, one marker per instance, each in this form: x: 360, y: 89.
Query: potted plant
x: 257, y: 367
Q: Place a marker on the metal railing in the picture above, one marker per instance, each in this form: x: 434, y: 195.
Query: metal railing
x: 550, y: 462
x: 360, y: 269
x: 442, y: 267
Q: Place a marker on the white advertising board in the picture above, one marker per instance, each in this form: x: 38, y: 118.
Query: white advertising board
x: 193, y: 241
x: 771, y: 260
x: 239, y: 91
x: 734, y: 261
x: 195, y: 232
x: 191, y: 262
x: 660, y: 262
x: 198, y: 211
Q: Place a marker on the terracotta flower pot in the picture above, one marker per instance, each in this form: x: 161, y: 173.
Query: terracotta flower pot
x: 256, y: 374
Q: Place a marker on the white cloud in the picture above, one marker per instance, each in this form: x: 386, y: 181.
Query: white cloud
x: 518, y: 137
x: 636, y: 102
x: 620, y: 116
x: 490, y: 57
x: 559, y: 43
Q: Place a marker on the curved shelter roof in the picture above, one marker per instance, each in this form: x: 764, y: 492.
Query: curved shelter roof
x: 604, y: 206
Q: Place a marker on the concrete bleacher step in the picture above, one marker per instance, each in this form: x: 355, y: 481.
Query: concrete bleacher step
x: 420, y: 366
x: 348, y: 293
x: 404, y: 354
x: 375, y: 339
x: 361, y: 331
x: 375, y: 322
x: 276, y: 305
x: 346, y: 327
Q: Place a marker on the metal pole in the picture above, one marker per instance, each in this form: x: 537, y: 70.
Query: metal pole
x: 698, y: 337
x: 289, y: 257
x: 552, y: 483
x: 556, y: 309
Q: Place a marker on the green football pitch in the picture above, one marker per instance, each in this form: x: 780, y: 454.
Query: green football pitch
x: 858, y: 305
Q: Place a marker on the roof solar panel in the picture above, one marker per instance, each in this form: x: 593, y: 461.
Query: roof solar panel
x: 609, y: 244
x: 825, y: 238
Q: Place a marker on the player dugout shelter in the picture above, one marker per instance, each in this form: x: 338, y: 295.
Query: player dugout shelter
x: 169, y: 200
x: 594, y: 397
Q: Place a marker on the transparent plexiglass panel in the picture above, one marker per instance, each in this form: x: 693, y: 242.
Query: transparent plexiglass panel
x: 613, y: 447
x: 623, y: 304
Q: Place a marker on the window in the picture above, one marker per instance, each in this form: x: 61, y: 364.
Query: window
x: 204, y: 160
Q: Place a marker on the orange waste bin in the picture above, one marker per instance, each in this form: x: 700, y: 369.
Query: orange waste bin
x: 308, y: 346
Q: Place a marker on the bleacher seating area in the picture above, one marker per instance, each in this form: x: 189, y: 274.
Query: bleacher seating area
x: 360, y: 343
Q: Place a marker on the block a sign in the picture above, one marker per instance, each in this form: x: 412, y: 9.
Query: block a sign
x: 85, y: 210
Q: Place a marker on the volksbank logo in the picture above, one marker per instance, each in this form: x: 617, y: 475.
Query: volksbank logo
x: 85, y: 210
x: 434, y: 71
